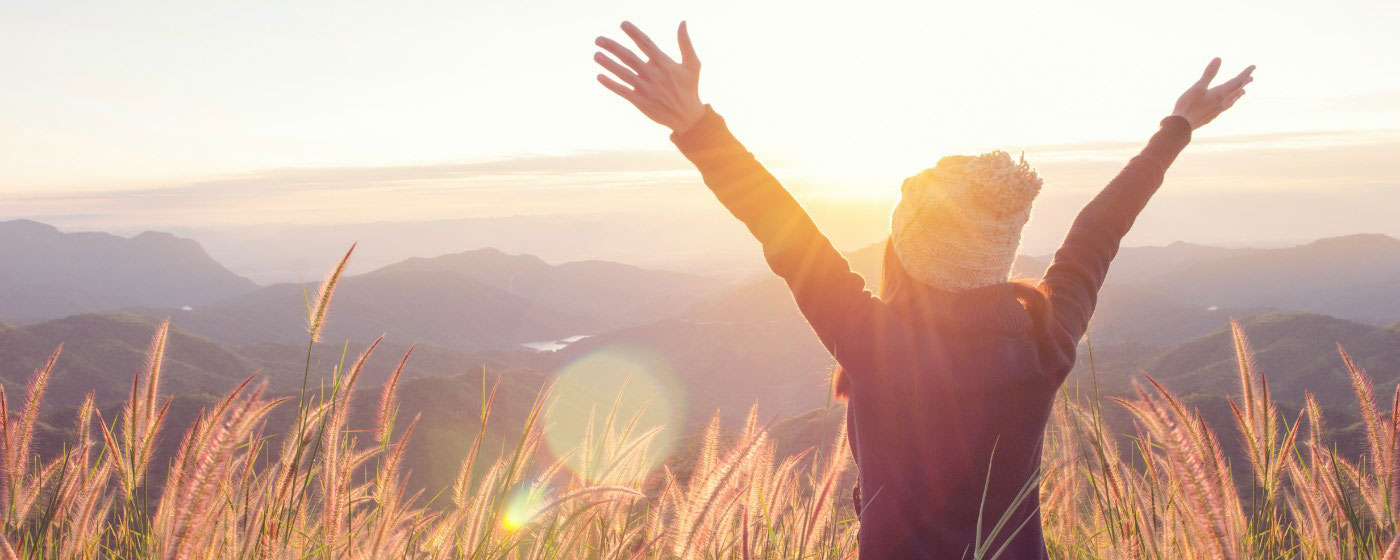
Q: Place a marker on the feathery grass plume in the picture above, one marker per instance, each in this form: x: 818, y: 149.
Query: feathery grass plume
x: 71, y: 483
x: 388, y: 493
x: 782, y: 486
x: 1189, y: 460
x: 154, y: 364
x: 690, y: 530
x: 83, y: 427
x: 335, y: 470
x: 461, y: 489
x: 7, y: 454
x: 630, y: 456
x: 1392, y: 552
x: 1393, y: 455
x: 1244, y: 358
x: 709, y: 448
x: 1376, y: 431
x: 1258, y: 422
x: 1315, y: 502
x: 824, y: 490
x: 30, y: 415
x: 1316, y: 429
x: 1381, y: 496
x: 752, y: 506
x: 478, y: 510
x: 18, y: 493
x: 213, y: 445
x: 316, y: 312
x: 316, y: 318
x: 384, y: 421
x: 554, y: 503
x: 140, y: 420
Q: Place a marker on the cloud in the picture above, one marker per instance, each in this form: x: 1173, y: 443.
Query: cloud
x: 275, y: 181
x: 1315, y: 139
x: 531, y: 183
x: 1323, y: 161
x: 652, y: 181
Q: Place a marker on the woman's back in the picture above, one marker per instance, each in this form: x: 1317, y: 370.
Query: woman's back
x: 962, y: 397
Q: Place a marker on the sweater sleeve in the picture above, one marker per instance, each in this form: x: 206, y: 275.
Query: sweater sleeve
x: 830, y: 296
x: 1081, y: 263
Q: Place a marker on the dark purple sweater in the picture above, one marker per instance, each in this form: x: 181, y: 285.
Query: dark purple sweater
x: 954, y: 400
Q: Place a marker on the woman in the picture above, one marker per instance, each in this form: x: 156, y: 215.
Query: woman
x: 951, y: 372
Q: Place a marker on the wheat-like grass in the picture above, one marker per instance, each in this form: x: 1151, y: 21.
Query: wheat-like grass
x: 232, y: 491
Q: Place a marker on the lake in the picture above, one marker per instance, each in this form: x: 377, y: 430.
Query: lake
x: 554, y: 345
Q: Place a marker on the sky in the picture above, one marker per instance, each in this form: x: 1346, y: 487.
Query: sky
x: 129, y: 115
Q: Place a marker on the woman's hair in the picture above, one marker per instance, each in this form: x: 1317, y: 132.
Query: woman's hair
x: 903, y: 293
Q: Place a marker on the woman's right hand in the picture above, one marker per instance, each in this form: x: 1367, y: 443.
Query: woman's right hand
x: 666, y: 91
x: 1202, y: 103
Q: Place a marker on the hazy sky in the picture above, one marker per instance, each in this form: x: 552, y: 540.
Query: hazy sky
x: 136, y: 114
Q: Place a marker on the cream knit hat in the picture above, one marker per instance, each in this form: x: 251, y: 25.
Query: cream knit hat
x: 958, y: 224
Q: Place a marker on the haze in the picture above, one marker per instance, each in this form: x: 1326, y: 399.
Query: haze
x: 216, y: 120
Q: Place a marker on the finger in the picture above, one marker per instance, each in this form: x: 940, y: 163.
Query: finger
x: 643, y: 42
x: 1211, y: 70
x: 688, y: 57
x: 1230, y: 101
x: 622, y: 91
x: 619, y: 70
x: 1238, y: 81
x: 622, y: 53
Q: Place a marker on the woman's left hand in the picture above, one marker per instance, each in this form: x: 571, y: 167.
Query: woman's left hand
x: 666, y: 91
x: 1202, y: 103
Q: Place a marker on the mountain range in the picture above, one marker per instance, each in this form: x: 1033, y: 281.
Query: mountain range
x: 487, y: 299
x: 723, y: 345
x: 475, y: 300
x: 102, y: 351
x: 45, y: 273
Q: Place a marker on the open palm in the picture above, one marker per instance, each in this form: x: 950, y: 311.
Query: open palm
x: 1202, y: 103
x: 664, y: 90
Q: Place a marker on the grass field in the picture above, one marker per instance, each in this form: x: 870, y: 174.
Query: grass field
x: 325, y: 491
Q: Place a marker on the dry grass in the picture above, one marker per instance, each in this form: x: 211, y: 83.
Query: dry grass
x: 324, y: 493
x: 1176, y: 497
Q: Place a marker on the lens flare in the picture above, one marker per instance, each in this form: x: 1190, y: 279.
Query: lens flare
x: 605, y: 401
x: 520, y: 509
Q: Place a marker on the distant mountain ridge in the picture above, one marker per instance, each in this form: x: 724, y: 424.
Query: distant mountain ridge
x: 45, y: 273
x: 474, y: 300
x: 618, y: 294
x: 434, y: 307
x: 471, y: 300
x: 1170, y: 293
x: 1297, y: 351
x: 101, y: 353
x: 1354, y: 277
x: 486, y: 298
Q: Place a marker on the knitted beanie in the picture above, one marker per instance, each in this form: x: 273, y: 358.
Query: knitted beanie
x: 958, y: 224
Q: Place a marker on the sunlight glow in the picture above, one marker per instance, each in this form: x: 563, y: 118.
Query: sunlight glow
x: 597, y: 398
x: 520, y: 509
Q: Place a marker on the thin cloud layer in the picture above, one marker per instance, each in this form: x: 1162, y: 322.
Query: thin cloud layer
x: 1215, y: 173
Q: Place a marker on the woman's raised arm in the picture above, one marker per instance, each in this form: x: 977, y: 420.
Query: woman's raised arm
x: 1081, y: 263
x: 829, y: 294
